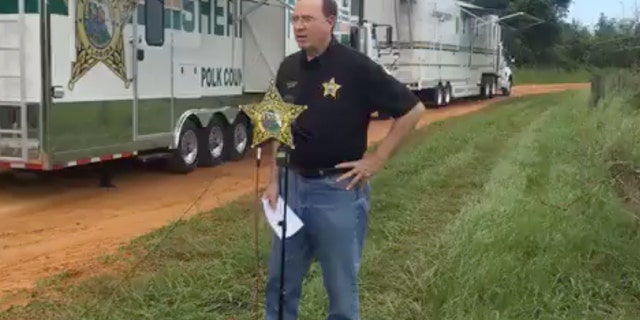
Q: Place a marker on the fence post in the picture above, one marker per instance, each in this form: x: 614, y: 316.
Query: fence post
x: 597, y: 90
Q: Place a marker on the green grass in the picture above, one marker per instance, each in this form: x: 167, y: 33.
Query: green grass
x: 548, y: 237
x: 549, y: 76
x: 510, y: 213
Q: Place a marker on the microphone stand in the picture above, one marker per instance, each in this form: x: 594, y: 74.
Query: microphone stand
x: 283, y: 160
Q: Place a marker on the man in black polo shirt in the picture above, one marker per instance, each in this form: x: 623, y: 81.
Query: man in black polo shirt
x: 327, y: 180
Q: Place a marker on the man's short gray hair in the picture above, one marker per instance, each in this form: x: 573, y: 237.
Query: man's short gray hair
x: 329, y: 8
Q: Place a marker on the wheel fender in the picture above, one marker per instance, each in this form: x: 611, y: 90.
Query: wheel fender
x: 230, y: 114
x: 203, y: 117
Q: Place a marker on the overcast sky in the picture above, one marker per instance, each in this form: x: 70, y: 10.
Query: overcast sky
x: 588, y: 11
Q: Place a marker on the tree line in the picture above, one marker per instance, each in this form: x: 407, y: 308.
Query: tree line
x: 554, y: 42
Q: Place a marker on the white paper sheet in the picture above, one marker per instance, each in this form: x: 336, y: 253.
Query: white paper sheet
x: 275, y: 216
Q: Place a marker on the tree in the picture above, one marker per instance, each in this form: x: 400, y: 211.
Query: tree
x: 535, y: 45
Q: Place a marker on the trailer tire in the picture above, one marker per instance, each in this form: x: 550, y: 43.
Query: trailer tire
x: 507, y: 91
x: 212, y: 143
x: 238, y: 139
x: 487, y: 87
x: 484, y: 94
x: 492, y: 88
x: 447, y: 94
x: 439, y: 96
x: 179, y: 162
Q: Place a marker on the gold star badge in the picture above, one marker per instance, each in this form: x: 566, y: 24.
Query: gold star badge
x: 272, y: 118
x: 331, y: 88
x: 100, y: 38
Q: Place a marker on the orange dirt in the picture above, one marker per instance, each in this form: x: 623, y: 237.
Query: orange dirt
x: 66, y: 222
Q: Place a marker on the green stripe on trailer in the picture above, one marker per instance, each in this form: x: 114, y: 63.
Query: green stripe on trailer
x: 88, y: 128
x: 58, y: 7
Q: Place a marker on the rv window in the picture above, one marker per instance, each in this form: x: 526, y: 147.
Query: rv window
x: 154, y: 17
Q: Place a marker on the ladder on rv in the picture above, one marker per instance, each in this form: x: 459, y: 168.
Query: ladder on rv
x: 15, y: 108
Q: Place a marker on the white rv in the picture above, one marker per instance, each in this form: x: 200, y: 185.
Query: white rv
x: 440, y: 49
x: 86, y: 81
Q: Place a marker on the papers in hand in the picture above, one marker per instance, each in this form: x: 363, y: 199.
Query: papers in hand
x: 275, y: 216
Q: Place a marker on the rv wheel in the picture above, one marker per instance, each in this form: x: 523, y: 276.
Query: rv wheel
x: 507, y: 91
x: 492, y: 89
x: 212, y: 143
x: 237, y: 139
x: 185, y: 157
x: 447, y: 94
x: 486, y: 88
x: 439, y: 95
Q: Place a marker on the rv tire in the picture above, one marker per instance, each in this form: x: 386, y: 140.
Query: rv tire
x: 238, y: 139
x: 185, y: 157
x: 448, y: 94
x: 507, y: 91
x: 487, y: 87
x: 483, y: 91
x: 213, y: 143
x: 439, y: 96
x: 492, y: 88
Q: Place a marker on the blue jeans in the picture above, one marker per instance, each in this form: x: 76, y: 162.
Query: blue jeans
x: 335, y: 225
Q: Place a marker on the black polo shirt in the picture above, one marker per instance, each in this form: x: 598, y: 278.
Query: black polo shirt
x: 334, y: 129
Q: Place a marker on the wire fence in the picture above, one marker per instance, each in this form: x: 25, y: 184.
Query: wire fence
x: 606, y: 84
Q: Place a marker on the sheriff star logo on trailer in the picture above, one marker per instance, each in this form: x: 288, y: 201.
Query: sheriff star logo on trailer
x: 99, y: 25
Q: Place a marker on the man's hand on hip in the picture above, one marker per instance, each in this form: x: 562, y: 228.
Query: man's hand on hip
x: 361, y: 170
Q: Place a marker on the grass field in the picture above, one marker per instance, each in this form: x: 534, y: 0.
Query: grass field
x: 515, y: 212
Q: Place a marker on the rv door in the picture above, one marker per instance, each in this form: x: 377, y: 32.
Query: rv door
x: 151, y: 72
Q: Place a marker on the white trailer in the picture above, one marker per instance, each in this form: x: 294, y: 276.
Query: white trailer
x: 440, y: 49
x: 86, y: 81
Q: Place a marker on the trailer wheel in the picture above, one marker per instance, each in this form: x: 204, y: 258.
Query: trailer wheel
x: 486, y: 87
x: 507, y: 91
x: 237, y: 139
x: 439, y: 96
x: 212, y: 143
x: 492, y: 88
x: 447, y: 94
x: 185, y: 157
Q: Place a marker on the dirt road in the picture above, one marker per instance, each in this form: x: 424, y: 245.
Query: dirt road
x: 66, y: 222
